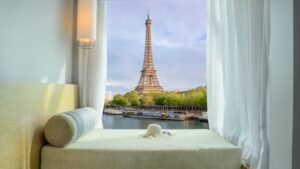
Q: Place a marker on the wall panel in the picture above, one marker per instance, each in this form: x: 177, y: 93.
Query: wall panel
x: 24, y: 109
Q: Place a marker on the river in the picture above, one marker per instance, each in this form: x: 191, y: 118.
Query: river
x: 120, y: 122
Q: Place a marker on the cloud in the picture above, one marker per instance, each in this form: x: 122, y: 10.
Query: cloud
x: 116, y: 84
x: 178, y: 36
x: 166, y: 43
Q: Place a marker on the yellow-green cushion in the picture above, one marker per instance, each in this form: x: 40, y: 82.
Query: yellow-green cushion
x: 66, y: 128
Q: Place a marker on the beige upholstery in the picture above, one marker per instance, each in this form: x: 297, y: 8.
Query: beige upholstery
x: 128, y: 149
x: 24, y: 110
x: 67, y: 127
x: 60, y: 130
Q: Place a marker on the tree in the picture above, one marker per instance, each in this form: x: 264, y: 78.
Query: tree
x: 120, y: 100
x: 160, y: 100
x: 133, y: 98
x: 147, y: 100
x: 135, y: 102
x: 172, y: 99
x: 193, y: 97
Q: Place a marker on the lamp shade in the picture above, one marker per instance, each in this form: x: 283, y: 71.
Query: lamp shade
x: 86, y: 20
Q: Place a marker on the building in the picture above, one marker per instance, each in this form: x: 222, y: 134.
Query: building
x: 148, y: 82
x: 108, y: 97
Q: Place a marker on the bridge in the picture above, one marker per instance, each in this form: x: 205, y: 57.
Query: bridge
x: 183, y: 109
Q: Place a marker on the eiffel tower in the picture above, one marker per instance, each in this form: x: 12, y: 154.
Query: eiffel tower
x: 148, y: 82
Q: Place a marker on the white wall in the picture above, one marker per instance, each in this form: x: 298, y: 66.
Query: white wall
x: 281, y: 84
x: 36, y: 40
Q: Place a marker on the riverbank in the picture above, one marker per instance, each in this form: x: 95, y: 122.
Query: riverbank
x: 160, y: 115
x: 121, y: 122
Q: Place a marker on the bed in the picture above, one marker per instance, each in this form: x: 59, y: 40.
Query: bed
x: 127, y: 149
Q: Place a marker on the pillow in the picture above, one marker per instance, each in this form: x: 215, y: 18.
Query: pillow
x: 67, y: 127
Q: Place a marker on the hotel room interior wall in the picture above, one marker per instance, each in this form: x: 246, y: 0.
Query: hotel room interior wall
x: 296, y: 117
x: 36, y: 40
x: 24, y: 110
x: 281, y: 84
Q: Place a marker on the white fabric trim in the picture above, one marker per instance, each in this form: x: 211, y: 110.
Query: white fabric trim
x: 92, y: 67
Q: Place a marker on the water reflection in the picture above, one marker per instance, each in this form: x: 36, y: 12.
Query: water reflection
x: 120, y: 122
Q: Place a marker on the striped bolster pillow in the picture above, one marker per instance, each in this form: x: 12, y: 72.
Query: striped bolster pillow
x: 67, y: 127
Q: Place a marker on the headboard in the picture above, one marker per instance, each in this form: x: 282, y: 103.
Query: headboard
x: 24, y: 109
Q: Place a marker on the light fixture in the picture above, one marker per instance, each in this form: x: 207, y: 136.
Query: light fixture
x: 86, y: 20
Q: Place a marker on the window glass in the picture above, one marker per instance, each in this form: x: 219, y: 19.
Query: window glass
x: 156, y: 64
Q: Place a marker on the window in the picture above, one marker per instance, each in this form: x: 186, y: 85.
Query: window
x: 156, y: 64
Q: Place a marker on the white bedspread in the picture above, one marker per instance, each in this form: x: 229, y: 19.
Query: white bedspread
x: 125, y: 149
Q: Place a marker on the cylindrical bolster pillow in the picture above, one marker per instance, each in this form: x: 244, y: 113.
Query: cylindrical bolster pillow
x: 67, y: 127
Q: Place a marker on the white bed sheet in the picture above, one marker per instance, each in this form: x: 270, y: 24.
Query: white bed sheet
x: 126, y: 149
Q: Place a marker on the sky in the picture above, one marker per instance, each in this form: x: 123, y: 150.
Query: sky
x: 178, y: 41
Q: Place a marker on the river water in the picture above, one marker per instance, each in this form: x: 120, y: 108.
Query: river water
x: 120, y: 122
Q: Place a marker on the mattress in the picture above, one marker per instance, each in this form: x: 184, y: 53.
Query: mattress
x: 127, y: 149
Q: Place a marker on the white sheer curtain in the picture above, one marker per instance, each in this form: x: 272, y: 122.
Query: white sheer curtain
x: 92, y: 67
x: 237, y: 66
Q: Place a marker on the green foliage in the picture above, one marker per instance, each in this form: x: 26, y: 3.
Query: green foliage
x: 133, y: 98
x: 147, y: 100
x: 160, y: 100
x: 135, y: 102
x: 120, y: 100
x: 194, y: 97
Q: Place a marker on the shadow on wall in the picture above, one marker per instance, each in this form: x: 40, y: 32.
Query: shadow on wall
x: 69, y: 23
x: 75, y: 47
x: 53, y: 104
x: 25, y: 108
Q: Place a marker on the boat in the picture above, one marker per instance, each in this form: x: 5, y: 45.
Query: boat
x: 113, y: 111
x: 169, y: 115
x: 203, y: 117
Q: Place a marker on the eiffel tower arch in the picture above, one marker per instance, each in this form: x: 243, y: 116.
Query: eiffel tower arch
x: 148, y: 82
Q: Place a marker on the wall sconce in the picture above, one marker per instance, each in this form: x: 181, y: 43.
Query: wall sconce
x: 86, y: 21
x: 86, y: 37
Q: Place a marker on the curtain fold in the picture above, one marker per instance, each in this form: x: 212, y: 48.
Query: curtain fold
x: 237, y: 73
x: 92, y: 67
x: 101, y: 52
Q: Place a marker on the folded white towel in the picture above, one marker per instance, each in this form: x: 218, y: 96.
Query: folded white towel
x: 153, y: 130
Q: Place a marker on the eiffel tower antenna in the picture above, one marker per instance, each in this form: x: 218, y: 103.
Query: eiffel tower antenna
x: 148, y: 12
x: 148, y: 82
